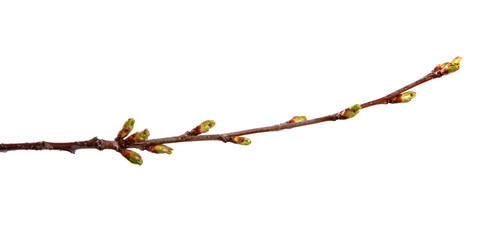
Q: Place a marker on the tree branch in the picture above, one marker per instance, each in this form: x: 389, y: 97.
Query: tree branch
x: 139, y: 140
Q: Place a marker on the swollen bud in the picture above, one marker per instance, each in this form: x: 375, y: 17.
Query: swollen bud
x: 132, y: 156
x: 297, y: 119
x: 160, y: 149
x: 126, y: 129
x: 202, y: 128
x: 456, y: 61
x: 241, y: 140
x: 454, y: 64
x: 445, y: 68
x: 448, y: 67
x: 350, y: 112
x: 408, y: 96
x: 439, y: 67
x: 403, y: 97
x: 138, y: 137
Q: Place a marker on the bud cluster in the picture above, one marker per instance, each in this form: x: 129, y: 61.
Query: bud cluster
x: 448, y: 67
x: 141, y: 137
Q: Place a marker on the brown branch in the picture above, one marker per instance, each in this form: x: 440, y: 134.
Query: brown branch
x: 138, y: 140
x: 226, y: 137
x: 71, y: 147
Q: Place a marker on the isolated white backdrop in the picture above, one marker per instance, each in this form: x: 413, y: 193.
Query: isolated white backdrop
x: 74, y: 70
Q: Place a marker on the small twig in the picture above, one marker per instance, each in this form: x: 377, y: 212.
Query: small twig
x: 139, y: 140
x: 71, y: 147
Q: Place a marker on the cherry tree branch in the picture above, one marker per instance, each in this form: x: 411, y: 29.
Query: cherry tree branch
x: 139, y: 140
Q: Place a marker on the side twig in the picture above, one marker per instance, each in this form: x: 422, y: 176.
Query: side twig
x: 138, y: 140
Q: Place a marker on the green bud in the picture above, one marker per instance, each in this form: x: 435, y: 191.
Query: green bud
x: 202, y: 128
x: 138, y: 137
x: 145, y: 134
x: 454, y: 64
x: 132, y: 156
x: 207, y: 125
x: 297, y: 119
x: 160, y: 149
x: 403, y: 97
x: 126, y: 129
x: 408, y: 96
x: 448, y: 67
x: 456, y: 60
x: 437, y: 68
x: 445, y: 69
x: 351, y: 111
x: 241, y: 140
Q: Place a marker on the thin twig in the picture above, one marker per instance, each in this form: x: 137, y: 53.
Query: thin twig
x: 224, y: 137
x: 138, y: 140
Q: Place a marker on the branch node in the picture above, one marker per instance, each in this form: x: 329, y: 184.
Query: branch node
x: 335, y: 117
x: 98, y: 143
x: 225, y: 139
x: 44, y: 145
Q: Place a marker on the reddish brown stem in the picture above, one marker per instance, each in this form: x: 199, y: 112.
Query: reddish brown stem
x: 71, y: 147
x: 101, y: 144
x: 225, y: 137
x: 387, y: 98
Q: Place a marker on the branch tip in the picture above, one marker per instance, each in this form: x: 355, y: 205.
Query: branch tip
x: 448, y: 67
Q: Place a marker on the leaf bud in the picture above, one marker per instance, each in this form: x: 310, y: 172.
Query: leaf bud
x: 132, y: 156
x: 241, y: 140
x: 138, y: 137
x: 160, y: 149
x: 202, y: 128
x: 126, y: 129
x: 448, y: 67
x: 408, y: 96
x: 350, y: 112
x: 403, y: 97
x: 297, y: 119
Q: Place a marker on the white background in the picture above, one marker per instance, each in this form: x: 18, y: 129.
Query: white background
x: 74, y: 70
